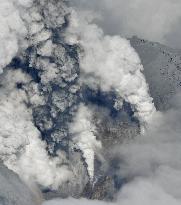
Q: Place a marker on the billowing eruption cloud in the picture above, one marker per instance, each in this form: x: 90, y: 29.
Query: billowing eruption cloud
x: 13, y: 29
x: 21, y: 147
x: 150, y: 164
x: 130, y: 18
x: 111, y: 63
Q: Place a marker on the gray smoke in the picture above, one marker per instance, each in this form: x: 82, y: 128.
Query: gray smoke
x: 13, y: 29
x: 109, y: 62
x: 22, y: 149
x: 150, y: 164
x: 48, y: 135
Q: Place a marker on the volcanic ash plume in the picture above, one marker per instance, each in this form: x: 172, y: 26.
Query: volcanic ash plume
x: 113, y: 64
x: 21, y: 148
x: 13, y: 29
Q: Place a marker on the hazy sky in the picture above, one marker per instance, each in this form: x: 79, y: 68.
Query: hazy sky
x: 156, y: 20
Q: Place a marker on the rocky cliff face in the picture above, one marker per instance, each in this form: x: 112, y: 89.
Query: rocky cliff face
x: 162, y: 69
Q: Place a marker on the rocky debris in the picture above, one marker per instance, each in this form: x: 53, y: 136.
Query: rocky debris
x: 114, y: 130
x: 103, y: 189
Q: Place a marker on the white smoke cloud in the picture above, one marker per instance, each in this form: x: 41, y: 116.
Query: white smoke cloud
x: 150, y: 163
x: 111, y: 63
x: 21, y: 20
x: 14, y: 116
x: 83, y: 132
x: 141, y: 193
x: 13, y: 29
x: 21, y: 148
x: 72, y: 201
x: 156, y: 20
x: 154, y: 159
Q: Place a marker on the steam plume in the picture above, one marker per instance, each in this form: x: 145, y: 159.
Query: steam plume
x: 83, y: 135
x: 111, y: 63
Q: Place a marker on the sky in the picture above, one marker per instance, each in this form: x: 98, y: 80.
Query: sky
x: 156, y: 20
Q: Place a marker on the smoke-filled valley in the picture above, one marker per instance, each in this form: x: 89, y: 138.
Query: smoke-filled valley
x: 87, y: 115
